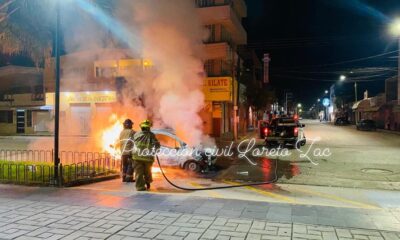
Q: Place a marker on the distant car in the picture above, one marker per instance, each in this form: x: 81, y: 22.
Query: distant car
x: 263, y: 128
x: 199, y: 161
x: 366, y: 125
x: 286, y: 130
x: 341, y: 121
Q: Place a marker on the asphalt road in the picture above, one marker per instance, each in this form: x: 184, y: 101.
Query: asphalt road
x: 359, y: 173
x: 333, y: 156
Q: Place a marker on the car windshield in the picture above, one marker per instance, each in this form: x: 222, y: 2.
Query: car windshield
x: 167, y: 141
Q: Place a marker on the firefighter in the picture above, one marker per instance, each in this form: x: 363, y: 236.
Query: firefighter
x: 126, y: 146
x: 143, y: 155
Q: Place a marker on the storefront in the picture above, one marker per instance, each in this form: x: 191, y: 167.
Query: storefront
x: 79, y: 110
x: 217, y: 114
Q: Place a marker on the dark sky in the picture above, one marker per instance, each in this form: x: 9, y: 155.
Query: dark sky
x: 310, y: 42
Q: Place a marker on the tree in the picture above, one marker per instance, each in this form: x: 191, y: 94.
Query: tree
x: 28, y: 26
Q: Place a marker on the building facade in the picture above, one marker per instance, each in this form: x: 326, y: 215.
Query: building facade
x: 384, y: 108
x: 22, y: 101
x: 92, y: 85
x: 223, y: 19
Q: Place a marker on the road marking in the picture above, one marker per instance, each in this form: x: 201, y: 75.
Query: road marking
x: 266, y: 193
x: 337, y: 198
x: 211, y: 193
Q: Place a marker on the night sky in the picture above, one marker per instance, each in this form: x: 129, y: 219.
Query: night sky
x: 311, y: 41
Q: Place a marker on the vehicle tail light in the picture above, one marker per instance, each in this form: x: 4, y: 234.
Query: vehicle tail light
x: 296, y: 131
x: 266, y: 131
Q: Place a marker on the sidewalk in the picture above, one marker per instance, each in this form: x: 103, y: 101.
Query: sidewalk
x: 49, y: 213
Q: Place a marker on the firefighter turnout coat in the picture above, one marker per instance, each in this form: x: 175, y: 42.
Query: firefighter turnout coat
x: 145, y: 146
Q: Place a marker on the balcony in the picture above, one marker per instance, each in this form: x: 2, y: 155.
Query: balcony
x: 22, y: 100
x: 220, y: 50
x: 238, y: 5
x: 226, y: 16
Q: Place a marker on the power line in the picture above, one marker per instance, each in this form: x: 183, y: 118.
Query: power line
x: 347, y: 61
x: 359, y: 79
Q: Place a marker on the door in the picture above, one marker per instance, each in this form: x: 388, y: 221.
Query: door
x: 42, y: 121
x: 81, y: 117
x: 20, y: 121
x: 217, y: 127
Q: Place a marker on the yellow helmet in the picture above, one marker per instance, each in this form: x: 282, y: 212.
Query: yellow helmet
x: 145, y: 124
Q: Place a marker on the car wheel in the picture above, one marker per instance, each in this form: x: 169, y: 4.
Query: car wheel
x: 192, y: 166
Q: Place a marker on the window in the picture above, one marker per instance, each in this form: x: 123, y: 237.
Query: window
x: 6, y: 116
x: 211, y: 31
x: 225, y: 35
x: 29, y: 118
x: 208, y: 67
x: 167, y: 141
x: 105, y: 72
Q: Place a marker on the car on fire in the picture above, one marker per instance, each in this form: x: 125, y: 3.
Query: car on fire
x: 283, y: 131
x: 176, y: 153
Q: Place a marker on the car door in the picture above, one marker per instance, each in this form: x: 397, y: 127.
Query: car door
x: 168, y: 146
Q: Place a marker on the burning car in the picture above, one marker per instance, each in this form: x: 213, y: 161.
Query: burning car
x: 175, y: 152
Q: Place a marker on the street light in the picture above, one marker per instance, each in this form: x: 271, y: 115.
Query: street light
x: 342, y: 78
x: 299, y: 105
x: 395, y: 27
x: 319, y: 100
x: 57, y: 96
x: 326, y: 91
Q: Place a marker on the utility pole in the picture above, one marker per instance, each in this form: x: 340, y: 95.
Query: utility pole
x: 57, y: 96
x: 355, y: 91
x: 286, y: 106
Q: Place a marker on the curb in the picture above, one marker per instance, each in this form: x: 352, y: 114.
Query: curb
x: 388, y: 131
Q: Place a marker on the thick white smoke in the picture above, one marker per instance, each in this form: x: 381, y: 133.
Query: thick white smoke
x: 171, y: 36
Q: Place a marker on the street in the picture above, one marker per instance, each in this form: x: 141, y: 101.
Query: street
x: 357, y: 182
x: 357, y: 159
x: 265, y: 119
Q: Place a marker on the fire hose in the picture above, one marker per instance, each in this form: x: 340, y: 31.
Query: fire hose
x: 220, y: 187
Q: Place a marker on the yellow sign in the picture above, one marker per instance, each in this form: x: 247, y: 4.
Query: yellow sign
x: 218, y: 89
x: 83, y: 97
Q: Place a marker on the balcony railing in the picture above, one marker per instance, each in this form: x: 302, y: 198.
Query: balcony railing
x: 212, y: 3
x: 38, y: 97
x: 6, y: 98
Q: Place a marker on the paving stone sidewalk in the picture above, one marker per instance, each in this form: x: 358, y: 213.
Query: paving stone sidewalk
x: 29, y: 219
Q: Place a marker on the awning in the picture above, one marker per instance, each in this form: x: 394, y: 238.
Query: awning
x: 355, y: 105
x: 371, y: 109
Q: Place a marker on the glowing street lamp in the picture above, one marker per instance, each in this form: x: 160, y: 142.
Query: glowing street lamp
x: 395, y: 27
x: 342, y: 78
x: 326, y: 91
x: 319, y: 100
x: 299, y: 105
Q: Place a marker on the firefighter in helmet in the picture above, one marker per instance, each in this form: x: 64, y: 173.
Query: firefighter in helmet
x: 126, y: 147
x: 143, y: 155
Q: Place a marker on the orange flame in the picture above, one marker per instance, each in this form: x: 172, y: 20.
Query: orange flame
x: 110, y: 137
